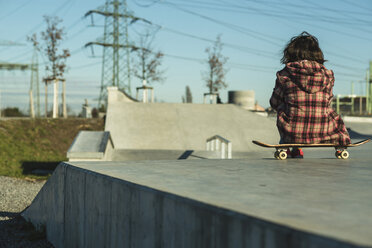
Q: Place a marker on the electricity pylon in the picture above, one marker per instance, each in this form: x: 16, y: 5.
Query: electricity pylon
x: 115, y: 42
x: 33, y: 67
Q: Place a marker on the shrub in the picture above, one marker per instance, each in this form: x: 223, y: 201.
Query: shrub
x: 12, y: 112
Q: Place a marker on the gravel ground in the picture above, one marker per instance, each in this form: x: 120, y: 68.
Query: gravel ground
x: 15, y: 196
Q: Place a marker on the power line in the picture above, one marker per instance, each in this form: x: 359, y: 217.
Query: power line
x: 254, y: 51
x: 357, y: 25
x: 86, y: 65
x: 146, y: 5
x: 349, y: 75
x: 355, y: 4
x: 240, y: 6
x: 17, y: 58
x: 355, y: 59
x: 57, y: 10
x: 32, y: 30
x: 243, y: 30
x: 249, y: 67
x: 231, y: 64
x: 285, y: 14
x: 346, y: 67
x: 300, y: 19
x: 276, y: 12
x: 309, y: 5
x: 74, y: 35
x: 18, y: 8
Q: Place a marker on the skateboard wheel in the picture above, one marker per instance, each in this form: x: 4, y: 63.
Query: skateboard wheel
x: 344, y: 154
x: 282, y: 155
x: 338, y: 154
x: 276, y: 154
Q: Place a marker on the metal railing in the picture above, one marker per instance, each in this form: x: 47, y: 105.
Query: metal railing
x: 217, y: 143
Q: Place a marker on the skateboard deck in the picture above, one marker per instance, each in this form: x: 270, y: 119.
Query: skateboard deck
x: 281, y: 153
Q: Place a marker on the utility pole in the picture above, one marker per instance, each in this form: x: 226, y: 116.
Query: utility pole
x: 34, y: 84
x: 115, y: 69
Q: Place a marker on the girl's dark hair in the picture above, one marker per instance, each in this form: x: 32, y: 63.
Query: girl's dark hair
x: 301, y: 47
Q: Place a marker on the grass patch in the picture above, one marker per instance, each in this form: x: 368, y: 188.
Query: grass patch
x: 29, y: 145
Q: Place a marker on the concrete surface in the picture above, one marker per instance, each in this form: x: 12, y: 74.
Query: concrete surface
x: 91, y: 145
x: 116, y: 95
x: 359, y: 130
x: 133, y: 155
x: 258, y: 201
x: 319, y: 201
x: 172, y: 126
x: 357, y: 119
x: 166, y: 126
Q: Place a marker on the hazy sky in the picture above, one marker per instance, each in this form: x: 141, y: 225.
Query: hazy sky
x: 253, y: 32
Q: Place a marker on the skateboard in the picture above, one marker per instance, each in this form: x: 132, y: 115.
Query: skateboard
x: 281, y: 149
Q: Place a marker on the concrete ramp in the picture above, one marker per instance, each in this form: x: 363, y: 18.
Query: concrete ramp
x: 170, y: 126
x: 361, y: 129
x: 258, y: 202
x: 91, y: 145
x: 132, y: 155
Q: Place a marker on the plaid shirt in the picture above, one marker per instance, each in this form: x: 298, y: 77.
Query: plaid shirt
x: 302, y: 97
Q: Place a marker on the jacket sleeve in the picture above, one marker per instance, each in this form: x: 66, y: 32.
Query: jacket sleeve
x: 277, y: 98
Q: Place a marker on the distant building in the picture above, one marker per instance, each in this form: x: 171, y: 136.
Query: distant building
x: 86, y: 111
x: 350, y: 104
x: 259, y: 108
x: 242, y: 98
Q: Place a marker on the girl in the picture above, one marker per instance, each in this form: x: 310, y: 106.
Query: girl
x: 302, y: 97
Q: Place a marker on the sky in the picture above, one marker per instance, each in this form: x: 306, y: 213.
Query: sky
x: 253, y: 34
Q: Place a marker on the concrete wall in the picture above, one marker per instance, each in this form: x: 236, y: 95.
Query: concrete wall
x: 185, y: 126
x: 91, y: 146
x: 82, y: 208
x: 116, y: 95
x: 172, y: 126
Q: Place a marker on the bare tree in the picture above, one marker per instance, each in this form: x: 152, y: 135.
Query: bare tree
x: 215, y: 75
x: 52, y: 39
x: 188, y: 96
x: 33, y: 40
x: 147, y: 63
x: 56, y: 65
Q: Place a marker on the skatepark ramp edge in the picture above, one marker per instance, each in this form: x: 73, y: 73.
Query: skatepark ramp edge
x: 82, y: 207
